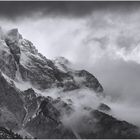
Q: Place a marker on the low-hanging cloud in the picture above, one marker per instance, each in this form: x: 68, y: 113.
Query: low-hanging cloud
x: 104, y: 41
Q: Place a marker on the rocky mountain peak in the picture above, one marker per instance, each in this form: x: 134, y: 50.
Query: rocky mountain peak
x: 13, y: 34
x: 36, y: 110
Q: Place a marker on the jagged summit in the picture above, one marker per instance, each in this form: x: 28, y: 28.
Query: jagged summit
x: 38, y: 70
x: 13, y: 34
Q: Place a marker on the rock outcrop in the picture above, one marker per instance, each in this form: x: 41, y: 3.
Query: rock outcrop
x: 8, y: 134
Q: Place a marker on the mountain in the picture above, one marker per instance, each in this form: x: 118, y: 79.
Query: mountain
x: 42, y: 98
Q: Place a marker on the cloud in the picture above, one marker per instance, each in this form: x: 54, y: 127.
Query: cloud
x: 105, y: 43
x: 103, y: 38
x: 19, y: 9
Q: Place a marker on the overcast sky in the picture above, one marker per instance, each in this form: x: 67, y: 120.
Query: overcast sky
x: 76, y: 9
x: 102, y: 37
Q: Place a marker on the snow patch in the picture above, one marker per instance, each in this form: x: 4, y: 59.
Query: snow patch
x: 8, y: 79
x: 21, y: 85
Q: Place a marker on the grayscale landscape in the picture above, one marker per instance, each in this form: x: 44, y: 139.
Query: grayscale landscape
x: 69, y: 70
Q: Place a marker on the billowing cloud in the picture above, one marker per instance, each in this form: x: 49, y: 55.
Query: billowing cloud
x: 101, y: 37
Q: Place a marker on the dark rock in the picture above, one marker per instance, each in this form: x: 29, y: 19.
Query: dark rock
x: 49, y: 110
x: 8, y: 134
x: 90, y: 81
x: 87, y: 108
x: 47, y: 124
x: 104, y: 107
x: 7, y: 62
x: 104, y: 126
x: 38, y: 76
x: 69, y: 85
x: 46, y: 128
x: 30, y: 103
x: 63, y: 107
x: 11, y: 40
x: 11, y: 99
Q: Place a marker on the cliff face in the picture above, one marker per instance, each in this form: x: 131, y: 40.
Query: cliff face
x: 25, y: 74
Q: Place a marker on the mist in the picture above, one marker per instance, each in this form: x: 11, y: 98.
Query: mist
x: 105, y: 42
